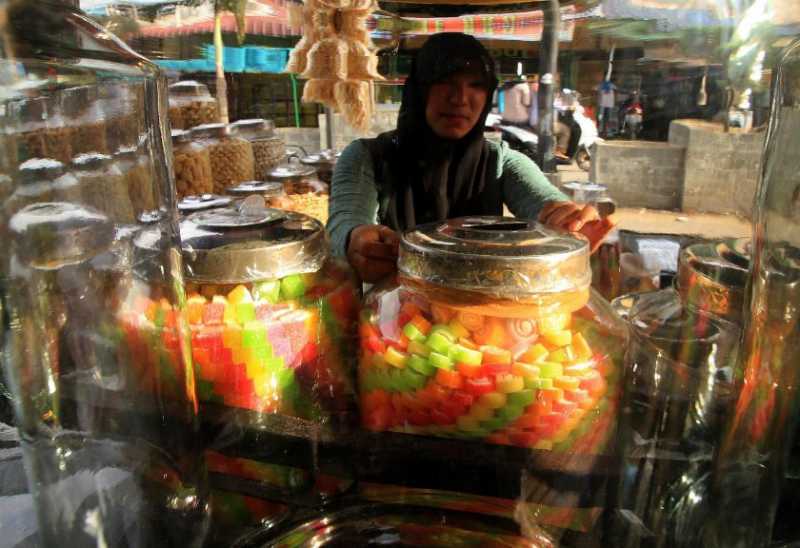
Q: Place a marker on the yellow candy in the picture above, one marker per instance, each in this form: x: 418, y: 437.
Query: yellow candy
x: 562, y: 355
x: 468, y: 424
x: 458, y: 329
x: 558, y: 338
x: 566, y: 383
x: 535, y: 353
x: 544, y: 445
x: 554, y: 322
x: 525, y: 370
x: 415, y: 347
x: 582, y: 349
x: 494, y: 400
x: 507, y: 384
x: 239, y: 294
x: 395, y: 357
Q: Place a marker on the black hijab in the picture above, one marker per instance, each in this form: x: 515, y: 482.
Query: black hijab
x: 422, y: 177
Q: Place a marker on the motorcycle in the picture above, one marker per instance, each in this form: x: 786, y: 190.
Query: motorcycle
x: 632, y: 114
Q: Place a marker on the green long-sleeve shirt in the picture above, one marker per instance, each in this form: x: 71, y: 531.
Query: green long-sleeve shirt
x: 354, y: 195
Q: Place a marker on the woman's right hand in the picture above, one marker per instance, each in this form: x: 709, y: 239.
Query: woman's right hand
x: 372, y: 252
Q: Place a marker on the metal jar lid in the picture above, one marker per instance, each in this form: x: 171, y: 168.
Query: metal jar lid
x: 324, y: 158
x: 39, y: 169
x: 50, y: 235
x: 190, y: 204
x: 291, y: 171
x: 265, y: 128
x: 189, y: 88
x: 712, y: 277
x: 287, y: 243
x: 263, y: 188
x: 180, y: 136
x: 498, y: 256
x: 91, y: 160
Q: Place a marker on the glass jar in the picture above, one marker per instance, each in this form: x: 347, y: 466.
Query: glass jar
x: 136, y: 169
x: 272, y: 316
x: 84, y: 112
x: 191, y: 162
x: 678, y: 389
x: 273, y: 193
x: 41, y: 180
x: 269, y: 150
x: 492, y: 333
x: 41, y: 131
x: 190, y: 105
x: 324, y: 162
x: 231, y: 156
x: 106, y: 463
x: 305, y: 193
x: 193, y: 204
x: 103, y: 186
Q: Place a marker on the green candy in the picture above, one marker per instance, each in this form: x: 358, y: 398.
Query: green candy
x: 462, y: 354
x: 245, y: 312
x: 414, y: 380
x: 293, y: 287
x: 268, y: 291
x: 495, y: 423
x: 413, y: 333
x: 439, y: 342
x: 421, y: 365
x: 440, y: 361
x: 510, y: 412
x: 523, y: 398
x: 550, y: 370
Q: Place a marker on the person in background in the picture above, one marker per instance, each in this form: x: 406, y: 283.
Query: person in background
x: 533, y: 112
x: 607, y: 103
x: 516, y: 110
x: 437, y: 165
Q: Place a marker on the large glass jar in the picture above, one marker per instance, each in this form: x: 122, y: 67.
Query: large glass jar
x: 269, y: 150
x: 305, y: 192
x: 190, y: 105
x: 191, y: 162
x: 492, y: 334
x: 84, y: 112
x: 103, y: 186
x: 272, y: 316
x: 106, y: 463
x: 231, y: 156
x: 136, y: 168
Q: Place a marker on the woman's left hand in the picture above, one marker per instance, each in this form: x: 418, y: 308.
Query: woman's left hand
x: 567, y: 216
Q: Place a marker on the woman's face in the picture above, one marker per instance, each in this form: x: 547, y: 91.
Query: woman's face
x: 455, y: 104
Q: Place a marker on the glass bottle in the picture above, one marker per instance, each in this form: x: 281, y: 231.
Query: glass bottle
x: 109, y: 460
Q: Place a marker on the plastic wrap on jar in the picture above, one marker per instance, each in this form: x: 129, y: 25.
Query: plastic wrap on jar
x: 513, y: 349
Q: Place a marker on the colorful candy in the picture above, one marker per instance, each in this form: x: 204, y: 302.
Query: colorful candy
x: 533, y: 382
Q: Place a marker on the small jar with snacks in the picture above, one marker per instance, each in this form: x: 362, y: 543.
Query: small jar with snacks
x: 192, y: 164
x: 272, y: 315
x: 491, y: 333
x: 304, y: 191
x: 272, y: 192
x: 138, y: 172
x: 202, y: 202
x: 324, y: 162
x: 190, y: 105
x: 269, y: 150
x: 42, y: 180
x: 120, y: 105
x: 231, y: 156
x: 103, y: 186
x: 84, y: 112
x: 41, y: 131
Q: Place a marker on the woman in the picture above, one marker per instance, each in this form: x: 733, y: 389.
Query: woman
x: 436, y: 165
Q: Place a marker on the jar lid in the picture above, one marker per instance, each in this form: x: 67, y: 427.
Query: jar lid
x: 180, y: 136
x: 712, y: 277
x: 285, y: 243
x: 91, y: 160
x: 50, y: 235
x: 191, y: 204
x: 264, y: 188
x: 321, y: 158
x: 291, y: 171
x: 502, y: 256
x: 265, y: 128
x: 40, y: 169
x: 189, y: 87
x: 211, y: 130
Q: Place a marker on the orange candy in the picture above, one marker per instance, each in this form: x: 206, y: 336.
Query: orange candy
x: 421, y: 323
x: 449, y: 379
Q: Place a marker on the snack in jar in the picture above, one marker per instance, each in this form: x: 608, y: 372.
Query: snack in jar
x: 193, y: 204
x: 192, y: 164
x: 491, y: 332
x: 138, y: 172
x: 272, y: 316
x: 103, y: 186
x: 269, y: 150
x: 84, y: 112
x: 190, y: 105
x: 272, y: 192
x: 41, y: 180
x: 231, y: 156
x: 304, y: 191
x: 324, y: 162
x: 120, y: 104
x: 41, y: 131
